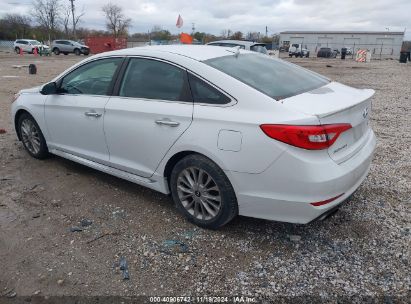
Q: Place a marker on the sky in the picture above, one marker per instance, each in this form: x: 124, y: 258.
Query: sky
x: 213, y: 16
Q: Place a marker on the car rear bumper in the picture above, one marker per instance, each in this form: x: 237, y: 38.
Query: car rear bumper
x: 285, y: 190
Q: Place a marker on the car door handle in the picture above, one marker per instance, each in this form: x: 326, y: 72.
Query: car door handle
x: 92, y: 114
x: 167, y: 122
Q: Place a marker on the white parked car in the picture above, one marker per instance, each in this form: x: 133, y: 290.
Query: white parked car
x: 297, y: 50
x: 28, y: 45
x: 245, y: 45
x: 225, y: 131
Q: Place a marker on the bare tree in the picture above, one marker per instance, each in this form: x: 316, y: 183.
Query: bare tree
x: 17, y: 25
x: 47, y: 14
x: 237, y: 35
x: 75, y: 18
x: 116, y: 22
x: 226, y: 34
x: 66, y: 20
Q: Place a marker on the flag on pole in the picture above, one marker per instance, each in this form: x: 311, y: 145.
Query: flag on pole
x: 186, y: 38
x: 179, y: 21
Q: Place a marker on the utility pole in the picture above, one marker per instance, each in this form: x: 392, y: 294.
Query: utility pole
x: 193, y: 27
x: 266, y: 31
x: 74, y: 22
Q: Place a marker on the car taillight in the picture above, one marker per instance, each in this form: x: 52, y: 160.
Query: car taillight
x: 306, y: 137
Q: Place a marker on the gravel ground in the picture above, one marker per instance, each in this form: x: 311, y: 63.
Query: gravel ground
x: 361, y: 251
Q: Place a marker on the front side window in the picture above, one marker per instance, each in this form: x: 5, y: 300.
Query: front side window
x: 152, y: 79
x: 204, y: 93
x: 93, y: 78
x: 275, y: 78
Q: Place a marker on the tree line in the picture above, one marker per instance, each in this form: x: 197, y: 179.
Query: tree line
x: 53, y: 19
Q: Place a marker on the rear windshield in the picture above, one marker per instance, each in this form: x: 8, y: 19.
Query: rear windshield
x: 275, y: 78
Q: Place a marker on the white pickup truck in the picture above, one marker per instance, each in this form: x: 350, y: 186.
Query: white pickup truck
x: 297, y: 50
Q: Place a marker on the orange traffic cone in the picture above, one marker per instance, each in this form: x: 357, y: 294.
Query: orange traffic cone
x: 35, y: 52
x: 21, y: 52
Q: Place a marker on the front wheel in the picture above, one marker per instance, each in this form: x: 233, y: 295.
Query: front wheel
x: 17, y: 50
x: 77, y: 52
x: 32, y: 137
x: 202, y: 192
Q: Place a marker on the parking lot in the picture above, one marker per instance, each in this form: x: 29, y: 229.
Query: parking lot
x: 363, y: 250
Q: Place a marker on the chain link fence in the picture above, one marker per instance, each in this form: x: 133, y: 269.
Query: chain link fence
x: 6, y: 46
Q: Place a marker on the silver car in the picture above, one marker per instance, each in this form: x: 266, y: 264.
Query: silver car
x: 69, y: 46
x: 245, y: 45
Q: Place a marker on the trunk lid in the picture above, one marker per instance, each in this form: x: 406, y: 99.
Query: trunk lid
x: 337, y: 103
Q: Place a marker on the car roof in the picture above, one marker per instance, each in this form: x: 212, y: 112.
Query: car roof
x: 196, y: 52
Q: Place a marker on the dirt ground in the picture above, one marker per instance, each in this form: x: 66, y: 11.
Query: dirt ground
x: 363, y: 250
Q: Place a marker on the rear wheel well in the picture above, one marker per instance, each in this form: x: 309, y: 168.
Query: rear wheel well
x: 16, y: 121
x: 173, y: 161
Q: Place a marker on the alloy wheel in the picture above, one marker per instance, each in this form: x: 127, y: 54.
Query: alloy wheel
x: 199, y: 193
x: 30, y: 136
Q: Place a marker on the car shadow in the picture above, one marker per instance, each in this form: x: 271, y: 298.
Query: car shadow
x: 339, y: 225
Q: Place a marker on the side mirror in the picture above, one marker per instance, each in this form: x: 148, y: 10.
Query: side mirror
x: 49, y: 89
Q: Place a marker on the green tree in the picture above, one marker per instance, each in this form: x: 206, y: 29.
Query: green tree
x: 199, y: 36
x: 157, y: 33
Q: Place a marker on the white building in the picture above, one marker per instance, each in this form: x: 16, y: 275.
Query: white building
x: 381, y: 44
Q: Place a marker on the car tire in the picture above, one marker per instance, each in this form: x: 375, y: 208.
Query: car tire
x: 56, y: 51
x: 65, y: 53
x: 32, y: 137
x: 202, y: 192
x: 77, y: 52
x: 17, y: 50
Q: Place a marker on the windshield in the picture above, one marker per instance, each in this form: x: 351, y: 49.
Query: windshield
x: 35, y: 42
x: 259, y: 48
x: 275, y: 78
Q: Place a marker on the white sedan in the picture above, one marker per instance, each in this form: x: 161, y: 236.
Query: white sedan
x: 225, y: 131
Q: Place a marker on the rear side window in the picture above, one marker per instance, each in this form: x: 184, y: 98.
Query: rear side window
x: 275, y: 78
x: 204, y: 93
x: 152, y: 79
